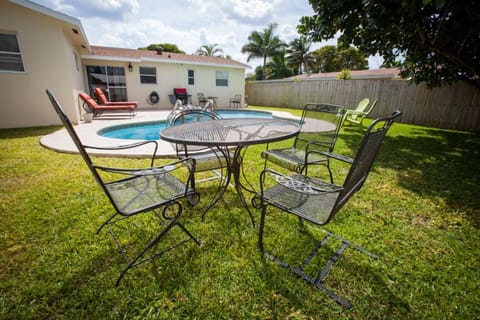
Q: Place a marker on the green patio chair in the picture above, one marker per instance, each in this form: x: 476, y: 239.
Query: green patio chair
x: 361, y: 112
x: 316, y: 202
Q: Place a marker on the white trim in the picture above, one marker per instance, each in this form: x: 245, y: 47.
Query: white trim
x: 147, y: 59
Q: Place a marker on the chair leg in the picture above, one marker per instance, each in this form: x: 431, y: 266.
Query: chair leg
x: 139, y: 257
x: 316, y: 281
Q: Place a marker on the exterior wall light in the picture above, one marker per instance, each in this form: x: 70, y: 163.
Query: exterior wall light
x: 130, y: 67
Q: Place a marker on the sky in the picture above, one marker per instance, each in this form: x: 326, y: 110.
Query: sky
x: 187, y: 23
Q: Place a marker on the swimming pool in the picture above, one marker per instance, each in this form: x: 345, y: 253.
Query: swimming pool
x: 150, y: 130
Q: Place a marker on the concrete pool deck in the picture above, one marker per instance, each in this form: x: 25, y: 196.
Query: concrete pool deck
x: 87, y: 132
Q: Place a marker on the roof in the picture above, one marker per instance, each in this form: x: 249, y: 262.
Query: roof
x: 385, y: 73
x: 134, y: 55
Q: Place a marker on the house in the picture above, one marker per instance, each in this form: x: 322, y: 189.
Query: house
x: 44, y: 49
x: 384, y: 73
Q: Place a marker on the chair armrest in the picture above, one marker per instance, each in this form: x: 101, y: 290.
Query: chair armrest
x: 354, y: 113
x: 152, y: 171
x: 338, y: 157
x: 129, y: 146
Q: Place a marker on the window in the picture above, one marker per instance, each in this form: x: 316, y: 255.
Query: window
x: 10, y: 56
x: 148, y: 75
x: 191, y: 77
x: 221, y: 78
x: 110, y: 79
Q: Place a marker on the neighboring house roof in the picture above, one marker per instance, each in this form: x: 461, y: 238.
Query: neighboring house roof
x: 386, y: 73
x: 133, y: 55
x: 72, y: 26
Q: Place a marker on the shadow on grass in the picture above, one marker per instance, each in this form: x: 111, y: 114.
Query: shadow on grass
x: 15, y: 133
x: 355, y: 276
x: 432, y: 163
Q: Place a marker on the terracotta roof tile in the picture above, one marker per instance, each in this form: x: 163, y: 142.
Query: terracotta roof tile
x: 356, y: 74
x: 170, y: 56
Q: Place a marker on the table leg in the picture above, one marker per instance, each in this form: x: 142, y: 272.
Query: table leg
x: 236, y: 168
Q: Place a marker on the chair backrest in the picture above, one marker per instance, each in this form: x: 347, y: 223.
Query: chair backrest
x: 68, y: 125
x: 320, y: 123
x: 370, y: 108
x: 92, y: 104
x: 237, y: 98
x: 362, y: 105
x: 192, y: 115
x: 100, y: 95
x: 201, y: 97
x: 363, y: 161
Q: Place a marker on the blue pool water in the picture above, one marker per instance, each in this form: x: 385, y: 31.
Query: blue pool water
x: 150, y: 130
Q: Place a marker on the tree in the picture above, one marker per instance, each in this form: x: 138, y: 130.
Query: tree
x: 326, y: 59
x: 332, y: 58
x: 438, y: 39
x: 167, y: 47
x: 299, y: 56
x: 263, y: 45
x: 277, y: 68
x: 210, y: 50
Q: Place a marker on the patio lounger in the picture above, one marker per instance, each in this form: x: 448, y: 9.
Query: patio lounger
x: 92, y: 106
x: 104, y: 101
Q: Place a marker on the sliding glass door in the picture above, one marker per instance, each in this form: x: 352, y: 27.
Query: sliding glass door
x: 110, y: 79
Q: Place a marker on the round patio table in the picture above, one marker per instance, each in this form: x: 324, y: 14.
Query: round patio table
x: 225, y: 134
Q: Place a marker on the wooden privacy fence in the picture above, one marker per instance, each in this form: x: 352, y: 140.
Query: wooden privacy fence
x: 450, y: 107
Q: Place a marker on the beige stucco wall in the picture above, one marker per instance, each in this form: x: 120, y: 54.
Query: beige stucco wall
x: 173, y: 75
x: 49, y: 62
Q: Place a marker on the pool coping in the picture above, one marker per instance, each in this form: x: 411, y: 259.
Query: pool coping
x: 60, y: 141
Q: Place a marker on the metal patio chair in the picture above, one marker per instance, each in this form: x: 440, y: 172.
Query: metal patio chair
x: 157, y: 191
x: 317, y: 202
x: 320, y: 124
x: 236, y: 101
x: 201, y: 98
x: 206, y: 158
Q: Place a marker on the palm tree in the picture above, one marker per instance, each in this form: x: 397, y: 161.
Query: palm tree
x: 210, y: 50
x: 263, y: 45
x: 277, y: 68
x: 299, y: 56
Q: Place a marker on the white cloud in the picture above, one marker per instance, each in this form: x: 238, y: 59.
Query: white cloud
x: 187, y: 23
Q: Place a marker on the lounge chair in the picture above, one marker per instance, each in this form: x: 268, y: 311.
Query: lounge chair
x: 104, y: 101
x: 361, y: 112
x: 91, y: 106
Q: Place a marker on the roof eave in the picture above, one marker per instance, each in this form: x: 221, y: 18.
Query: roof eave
x: 167, y: 60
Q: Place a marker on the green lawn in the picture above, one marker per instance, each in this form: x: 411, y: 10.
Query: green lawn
x: 419, y: 212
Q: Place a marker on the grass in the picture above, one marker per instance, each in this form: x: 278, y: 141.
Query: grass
x: 419, y: 211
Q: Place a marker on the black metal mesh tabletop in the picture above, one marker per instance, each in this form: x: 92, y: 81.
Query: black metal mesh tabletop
x: 231, y: 132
